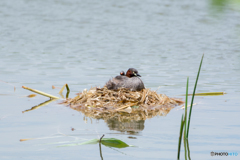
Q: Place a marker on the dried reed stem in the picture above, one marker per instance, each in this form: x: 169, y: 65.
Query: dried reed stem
x: 39, y: 92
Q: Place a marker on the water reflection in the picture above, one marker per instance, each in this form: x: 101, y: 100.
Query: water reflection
x: 100, y: 149
x: 131, y: 127
x: 218, y: 5
x: 131, y: 123
x: 40, y: 105
x: 122, y: 114
x: 223, y: 5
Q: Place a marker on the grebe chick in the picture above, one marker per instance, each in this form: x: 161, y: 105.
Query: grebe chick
x: 122, y: 73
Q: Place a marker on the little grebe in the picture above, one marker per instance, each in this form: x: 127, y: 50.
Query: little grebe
x: 122, y: 73
x: 131, y: 80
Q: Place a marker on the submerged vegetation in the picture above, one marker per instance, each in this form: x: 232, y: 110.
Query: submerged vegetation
x: 123, y: 104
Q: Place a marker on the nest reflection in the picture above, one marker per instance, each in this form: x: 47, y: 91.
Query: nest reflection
x: 131, y: 127
x: 122, y: 105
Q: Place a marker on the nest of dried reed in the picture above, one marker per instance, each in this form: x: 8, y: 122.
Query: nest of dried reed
x: 123, y: 104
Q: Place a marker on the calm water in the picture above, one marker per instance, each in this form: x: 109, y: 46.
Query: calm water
x: 84, y: 44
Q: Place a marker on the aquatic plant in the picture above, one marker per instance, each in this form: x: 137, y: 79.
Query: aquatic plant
x: 184, y: 122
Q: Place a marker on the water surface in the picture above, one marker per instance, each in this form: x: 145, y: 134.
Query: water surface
x: 84, y: 44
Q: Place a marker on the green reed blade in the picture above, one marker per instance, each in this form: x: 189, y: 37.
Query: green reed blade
x: 180, y: 137
x: 188, y: 150
x: 185, y: 146
x: 186, y: 103
x: 190, y: 111
x: 185, y: 120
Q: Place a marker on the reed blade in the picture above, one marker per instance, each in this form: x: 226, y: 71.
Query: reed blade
x: 180, y: 137
x: 185, y: 120
x: 188, y: 150
x: 190, y: 111
x: 185, y: 146
x: 186, y: 103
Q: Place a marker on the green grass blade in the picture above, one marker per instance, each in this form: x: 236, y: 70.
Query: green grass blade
x: 180, y: 137
x: 186, y: 103
x: 188, y: 150
x: 190, y: 111
x: 185, y: 146
x: 183, y: 124
x: 185, y: 120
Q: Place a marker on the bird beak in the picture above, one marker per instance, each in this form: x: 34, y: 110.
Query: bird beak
x: 136, y: 74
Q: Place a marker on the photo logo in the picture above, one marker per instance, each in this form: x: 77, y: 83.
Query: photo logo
x: 223, y: 153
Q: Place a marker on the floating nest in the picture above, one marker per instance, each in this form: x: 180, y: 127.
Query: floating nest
x: 122, y: 104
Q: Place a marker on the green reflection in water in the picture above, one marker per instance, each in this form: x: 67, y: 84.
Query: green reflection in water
x: 221, y: 6
x: 218, y: 5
